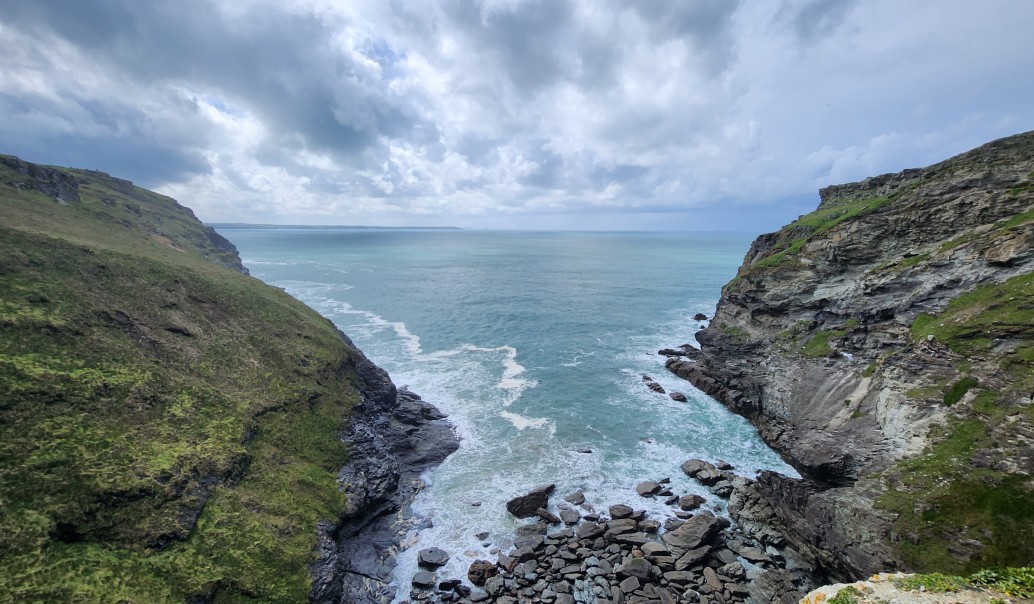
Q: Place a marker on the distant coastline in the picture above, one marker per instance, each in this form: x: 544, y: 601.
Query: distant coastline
x: 244, y: 225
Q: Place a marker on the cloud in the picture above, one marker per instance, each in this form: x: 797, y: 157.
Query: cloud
x: 716, y: 114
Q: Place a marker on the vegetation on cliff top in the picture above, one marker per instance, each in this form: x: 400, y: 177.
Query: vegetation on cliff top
x: 168, y: 425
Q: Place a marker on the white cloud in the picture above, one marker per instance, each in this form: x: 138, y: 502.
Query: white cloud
x: 524, y: 113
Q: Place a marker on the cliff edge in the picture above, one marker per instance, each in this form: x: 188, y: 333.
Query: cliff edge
x: 172, y: 429
x: 884, y: 345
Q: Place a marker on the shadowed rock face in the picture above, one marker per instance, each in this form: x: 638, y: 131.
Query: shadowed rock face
x: 814, y: 341
x: 393, y: 437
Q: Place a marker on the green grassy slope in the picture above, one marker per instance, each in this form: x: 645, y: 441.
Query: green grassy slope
x: 168, y: 425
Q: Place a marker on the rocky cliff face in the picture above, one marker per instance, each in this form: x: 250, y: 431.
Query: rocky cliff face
x: 884, y: 345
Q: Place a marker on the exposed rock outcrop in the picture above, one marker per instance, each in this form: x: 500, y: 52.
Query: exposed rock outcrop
x: 393, y: 437
x: 868, y: 333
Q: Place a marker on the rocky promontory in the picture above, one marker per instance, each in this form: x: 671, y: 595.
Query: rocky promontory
x: 884, y: 346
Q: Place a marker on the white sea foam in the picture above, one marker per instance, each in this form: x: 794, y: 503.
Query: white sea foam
x: 521, y: 422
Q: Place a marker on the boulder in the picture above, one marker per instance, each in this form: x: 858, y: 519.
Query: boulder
x: 700, y: 317
x: 704, y: 472
x: 548, y: 516
x: 690, y: 502
x: 647, y: 488
x: 527, y: 505
x: 432, y: 557
x: 570, y: 516
x: 620, y: 511
x: 423, y: 580
x: 635, y: 567
x: 576, y: 498
x: 697, y: 531
x: 675, y: 395
x: 481, y: 571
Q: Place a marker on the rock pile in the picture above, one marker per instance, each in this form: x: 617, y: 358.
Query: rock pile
x: 621, y: 556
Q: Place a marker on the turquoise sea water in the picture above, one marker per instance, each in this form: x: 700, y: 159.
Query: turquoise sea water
x: 535, y: 344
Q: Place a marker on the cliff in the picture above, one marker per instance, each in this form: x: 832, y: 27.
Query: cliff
x: 884, y: 345
x: 171, y: 428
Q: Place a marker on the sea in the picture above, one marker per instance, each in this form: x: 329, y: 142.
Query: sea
x: 535, y: 344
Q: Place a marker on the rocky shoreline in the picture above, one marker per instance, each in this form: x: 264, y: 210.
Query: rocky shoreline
x: 393, y: 437
x: 576, y: 554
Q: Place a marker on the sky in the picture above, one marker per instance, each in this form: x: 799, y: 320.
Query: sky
x: 526, y: 114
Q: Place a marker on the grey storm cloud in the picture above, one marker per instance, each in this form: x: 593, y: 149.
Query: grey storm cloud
x: 495, y: 112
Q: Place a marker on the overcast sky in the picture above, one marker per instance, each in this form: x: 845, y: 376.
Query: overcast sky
x: 621, y: 114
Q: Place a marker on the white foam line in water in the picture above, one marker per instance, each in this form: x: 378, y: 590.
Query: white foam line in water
x: 521, y: 422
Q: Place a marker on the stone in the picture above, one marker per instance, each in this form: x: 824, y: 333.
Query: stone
x: 448, y: 584
x: 690, y: 502
x: 548, y: 516
x: 681, y: 576
x: 620, y: 511
x: 526, y: 506
x: 755, y: 555
x: 692, y: 557
x: 700, y: 317
x: 494, y: 585
x: 654, y: 549
x: 622, y: 525
x: 647, y: 488
x: 696, y: 531
x: 570, y: 516
x: 723, y: 488
x: 506, y: 562
x: 523, y: 554
x: 423, y: 579
x: 635, y: 567
x: 432, y: 557
x: 677, y: 396
x: 649, y: 526
x: 480, y: 571
x: 576, y: 498
x: 632, y: 538
x: 590, y: 530
x: 712, y: 579
x: 629, y: 585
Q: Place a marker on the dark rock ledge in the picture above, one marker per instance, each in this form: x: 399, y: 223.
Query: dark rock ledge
x: 393, y: 437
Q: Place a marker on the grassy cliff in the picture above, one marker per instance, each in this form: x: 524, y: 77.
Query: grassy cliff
x: 168, y: 425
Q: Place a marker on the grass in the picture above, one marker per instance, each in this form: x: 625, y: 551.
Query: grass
x: 941, y: 499
x: 959, y: 390
x: 994, y: 316
x: 818, y: 345
x: 847, y: 595
x: 1017, y: 582
x: 168, y: 426
x: 796, y: 235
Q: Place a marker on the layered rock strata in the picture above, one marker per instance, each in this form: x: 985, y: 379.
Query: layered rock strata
x: 867, y: 339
